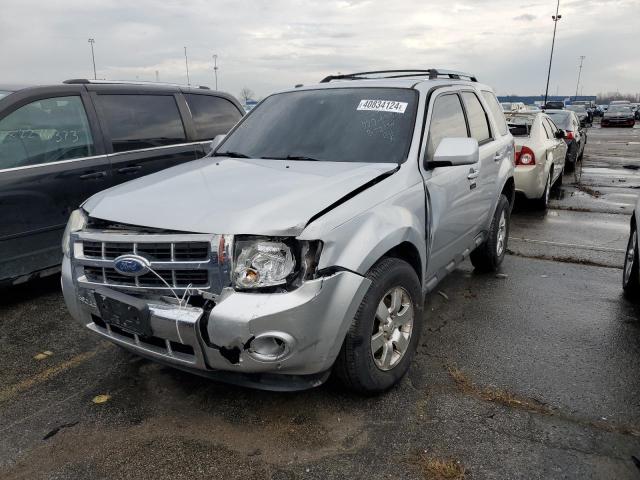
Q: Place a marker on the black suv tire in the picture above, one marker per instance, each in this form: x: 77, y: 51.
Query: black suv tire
x: 488, y: 256
x: 356, y: 366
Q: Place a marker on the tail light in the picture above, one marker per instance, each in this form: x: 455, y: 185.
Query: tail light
x: 569, y: 135
x: 525, y: 157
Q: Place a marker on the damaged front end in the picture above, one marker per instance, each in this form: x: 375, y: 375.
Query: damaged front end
x: 242, y: 309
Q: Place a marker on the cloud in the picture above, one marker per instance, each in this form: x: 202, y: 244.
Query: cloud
x: 275, y: 44
x: 526, y: 17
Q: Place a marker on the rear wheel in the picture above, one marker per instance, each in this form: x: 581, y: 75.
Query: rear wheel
x: 631, y: 272
x: 577, y: 170
x: 543, y: 201
x: 384, y: 335
x: 488, y: 256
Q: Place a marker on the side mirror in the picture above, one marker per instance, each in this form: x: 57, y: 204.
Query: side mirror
x: 560, y: 134
x: 455, y: 151
x: 215, y: 142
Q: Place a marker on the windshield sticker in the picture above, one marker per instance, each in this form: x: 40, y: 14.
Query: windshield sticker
x: 382, y: 106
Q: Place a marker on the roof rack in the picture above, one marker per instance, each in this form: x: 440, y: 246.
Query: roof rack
x: 432, y: 72
x: 76, y: 81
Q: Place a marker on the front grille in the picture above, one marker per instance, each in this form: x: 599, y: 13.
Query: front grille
x: 173, y: 278
x: 154, y: 251
x: 177, y: 260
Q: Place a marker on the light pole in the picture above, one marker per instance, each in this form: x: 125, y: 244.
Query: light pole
x: 93, y: 58
x: 186, y: 64
x: 555, y: 18
x: 215, y: 69
x: 582, y: 57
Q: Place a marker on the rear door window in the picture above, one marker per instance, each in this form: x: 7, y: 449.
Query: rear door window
x: 447, y: 121
x: 141, y: 121
x: 496, y: 111
x: 45, y: 131
x: 478, y: 122
x: 212, y: 115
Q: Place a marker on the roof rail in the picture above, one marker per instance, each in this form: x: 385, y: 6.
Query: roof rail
x: 431, y: 72
x: 76, y: 81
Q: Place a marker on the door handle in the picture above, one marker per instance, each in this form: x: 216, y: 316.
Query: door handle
x: 132, y: 169
x: 473, y: 174
x: 92, y: 175
x: 498, y: 156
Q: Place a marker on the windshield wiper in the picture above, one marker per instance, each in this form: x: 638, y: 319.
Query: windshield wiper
x: 293, y: 157
x: 231, y: 155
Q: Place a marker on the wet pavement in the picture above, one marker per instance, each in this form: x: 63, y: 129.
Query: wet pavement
x: 529, y: 374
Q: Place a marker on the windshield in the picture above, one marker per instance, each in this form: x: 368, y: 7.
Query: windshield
x: 561, y: 119
x: 506, y: 106
x: 577, y: 108
x: 372, y: 125
x: 3, y: 93
x: 619, y: 109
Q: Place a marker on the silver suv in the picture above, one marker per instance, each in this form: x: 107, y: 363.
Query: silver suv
x: 307, y: 241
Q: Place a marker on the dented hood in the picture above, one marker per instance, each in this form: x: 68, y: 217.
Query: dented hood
x: 234, y: 196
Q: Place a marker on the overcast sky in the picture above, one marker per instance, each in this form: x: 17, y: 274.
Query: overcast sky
x: 270, y: 45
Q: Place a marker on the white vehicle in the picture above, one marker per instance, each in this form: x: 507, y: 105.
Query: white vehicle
x: 513, y: 106
x: 540, y: 154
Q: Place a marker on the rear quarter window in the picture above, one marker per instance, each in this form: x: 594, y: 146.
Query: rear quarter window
x: 496, y: 112
x: 141, y: 121
x: 212, y: 115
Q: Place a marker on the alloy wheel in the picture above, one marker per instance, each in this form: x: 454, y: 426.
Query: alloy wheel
x: 392, y: 328
x: 630, y: 257
x: 502, y: 234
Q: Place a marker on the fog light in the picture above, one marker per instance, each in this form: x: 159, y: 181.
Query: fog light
x: 271, y: 346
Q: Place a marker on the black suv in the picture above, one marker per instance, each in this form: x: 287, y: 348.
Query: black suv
x: 61, y: 144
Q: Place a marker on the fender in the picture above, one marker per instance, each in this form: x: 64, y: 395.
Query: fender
x: 358, y: 243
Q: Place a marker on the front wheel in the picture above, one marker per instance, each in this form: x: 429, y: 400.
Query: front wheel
x: 384, y: 335
x: 631, y: 271
x: 488, y: 256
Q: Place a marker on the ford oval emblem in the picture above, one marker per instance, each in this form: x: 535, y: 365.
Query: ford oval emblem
x: 131, y: 265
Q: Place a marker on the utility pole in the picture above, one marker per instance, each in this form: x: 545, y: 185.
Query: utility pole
x: 157, y: 76
x: 93, y: 58
x: 215, y: 69
x: 555, y: 18
x: 582, y: 57
x: 186, y: 64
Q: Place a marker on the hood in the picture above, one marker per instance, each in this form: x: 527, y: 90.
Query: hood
x: 234, y: 196
x: 619, y: 114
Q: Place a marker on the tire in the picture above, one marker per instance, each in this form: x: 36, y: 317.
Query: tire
x: 360, y: 366
x: 488, y: 256
x: 559, y: 180
x: 543, y: 202
x: 631, y: 271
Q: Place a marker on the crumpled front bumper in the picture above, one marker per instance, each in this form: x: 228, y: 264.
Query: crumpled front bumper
x: 315, y: 317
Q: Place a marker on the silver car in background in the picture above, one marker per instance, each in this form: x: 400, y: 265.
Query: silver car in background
x: 306, y: 242
x: 540, y: 155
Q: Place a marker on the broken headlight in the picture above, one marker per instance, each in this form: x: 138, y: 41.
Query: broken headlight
x: 272, y: 262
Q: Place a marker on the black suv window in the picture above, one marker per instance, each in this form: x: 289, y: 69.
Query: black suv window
x: 48, y: 130
x: 447, y: 121
x: 212, y: 115
x: 478, y: 123
x: 141, y: 121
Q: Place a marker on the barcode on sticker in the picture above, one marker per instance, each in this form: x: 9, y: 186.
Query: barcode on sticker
x: 383, y: 106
